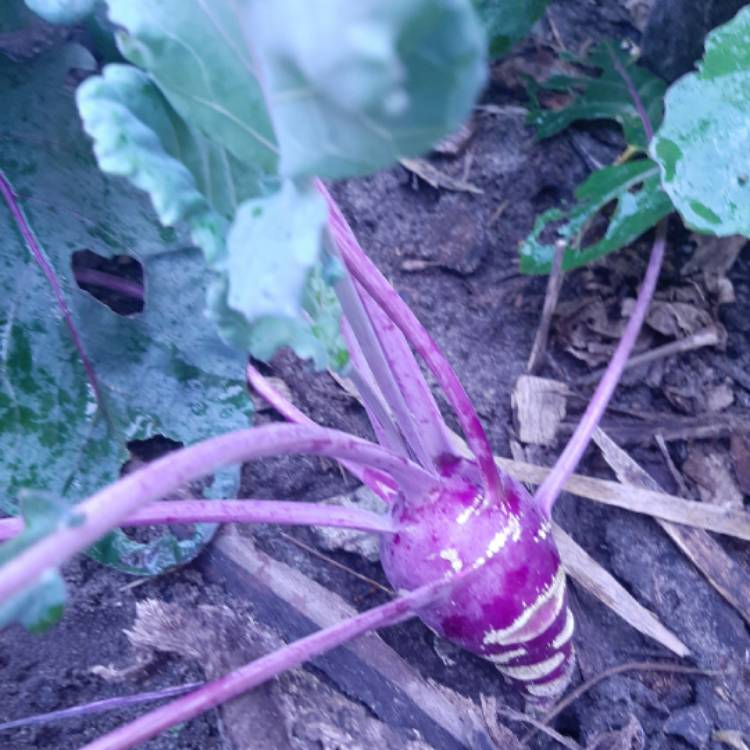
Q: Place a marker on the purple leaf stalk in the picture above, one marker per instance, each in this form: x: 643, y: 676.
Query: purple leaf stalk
x: 470, y: 548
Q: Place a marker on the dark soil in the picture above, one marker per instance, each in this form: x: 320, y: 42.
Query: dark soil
x: 484, y: 314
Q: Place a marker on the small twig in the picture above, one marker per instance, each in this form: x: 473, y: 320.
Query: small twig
x: 101, y: 706
x: 503, y: 737
x: 673, y: 470
x: 498, y: 212
x: 630, y: 666
x: 574, y: 450
x: 708, y: 336
x: 555, y: 32
x: 554, y: 284
x: 336, y: 563
x: 539, y: 726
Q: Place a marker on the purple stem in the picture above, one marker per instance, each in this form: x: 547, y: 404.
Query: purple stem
x: 126, y: 287
x: 38, y: 254
x: 242, y: 511
x: 368, y: 276
x: 362, y: 327
x: 634, y: 95
x: 411, y: 382
x: 377, y: 411
x: 378, y: 482
x: 259, y: 671
x: 550, y: 489
x: 10, y: 527
x: 110, y: 506
x: 101, y: 706
x: 372, y: 398
x: 404, y: 370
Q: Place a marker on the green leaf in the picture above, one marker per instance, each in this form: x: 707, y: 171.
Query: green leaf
x: 398, y: 78
x: 41, y: 605
x: 639, y: 204
x: 159, y: 372
x: 703, y: 146
x: 508, y: 21
x: 62, y: 11
x: 195, y: 51
x: 601, y: 97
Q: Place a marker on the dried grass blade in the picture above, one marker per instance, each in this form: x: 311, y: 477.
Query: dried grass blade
x: 605, y: 587
x: 728, y: 578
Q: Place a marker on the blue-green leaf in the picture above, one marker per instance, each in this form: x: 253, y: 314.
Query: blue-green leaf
x: 639, y: 201
x: 273, y: 245
x: 190, y: 179
x: 193, y: 181
x: 163, y: 371
x: 354, y: 86
x: 703, y: 146
x: 196, y: 54
x: 277, y: 291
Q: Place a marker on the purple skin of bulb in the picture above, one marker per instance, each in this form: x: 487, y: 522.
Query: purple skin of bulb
x: 514, y: 611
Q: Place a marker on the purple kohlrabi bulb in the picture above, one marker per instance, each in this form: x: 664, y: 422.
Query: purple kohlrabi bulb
x: 514, y: 611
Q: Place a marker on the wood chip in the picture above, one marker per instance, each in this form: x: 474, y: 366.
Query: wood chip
x: 719, y: 397
x: 539, y: 405
x: 551, y: 295
x: 501, y: 735
x: 731, y: 738
x: 709, y: 467
x: 728, y: 578
x: 365, y: 668
x: 352, y: 540
x: 740, y: 450
x: 437, y: 179
x: 456, y: 142
x: 294, y: 711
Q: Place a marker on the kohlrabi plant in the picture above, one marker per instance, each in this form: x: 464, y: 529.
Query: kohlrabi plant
x: 231, y: 116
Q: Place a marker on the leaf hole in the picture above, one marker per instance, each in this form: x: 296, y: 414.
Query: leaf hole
x: 596, y: 228
x: 143, y: 452
x: 116, y: 282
